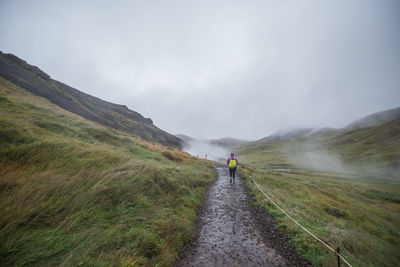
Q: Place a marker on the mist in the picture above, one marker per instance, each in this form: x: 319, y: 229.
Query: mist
x: 311, y: 155
x: 204, y: 149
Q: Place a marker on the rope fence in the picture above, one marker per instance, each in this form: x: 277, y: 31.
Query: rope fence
x: 301, y: 226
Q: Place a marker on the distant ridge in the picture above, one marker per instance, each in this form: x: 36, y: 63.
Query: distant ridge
x: 287, y: 135
x: 375, y: 119
x: 228, y: 142
x: 89, y: 107
x: 368, y: 145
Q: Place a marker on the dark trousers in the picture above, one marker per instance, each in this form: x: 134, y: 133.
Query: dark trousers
x: 232, y: 173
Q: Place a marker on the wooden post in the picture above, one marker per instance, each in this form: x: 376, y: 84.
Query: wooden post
x: 338, y: 258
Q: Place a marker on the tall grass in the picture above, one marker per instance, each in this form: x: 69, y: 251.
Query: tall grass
x: 75, y: 193
x: 361, y: 216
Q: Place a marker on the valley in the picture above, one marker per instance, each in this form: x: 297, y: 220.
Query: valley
x: 87, y: 182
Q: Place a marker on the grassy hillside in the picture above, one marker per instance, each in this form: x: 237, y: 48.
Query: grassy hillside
x: 74, y: 192
x: 369, y: 146
x: 89, y: 107
x: 342, y: 184
x: 360, y: 215
x: 372, y: 150
x: 375, y: 119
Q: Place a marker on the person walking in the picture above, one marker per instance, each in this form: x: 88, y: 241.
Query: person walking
x: 232, y: 163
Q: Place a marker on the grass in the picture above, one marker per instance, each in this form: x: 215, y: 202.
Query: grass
x: 342, y: 185
x: 75, y: 193
x: 361, y: 215
x: 370, y: 151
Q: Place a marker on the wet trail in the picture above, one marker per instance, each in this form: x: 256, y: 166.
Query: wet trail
x: 228, y: 234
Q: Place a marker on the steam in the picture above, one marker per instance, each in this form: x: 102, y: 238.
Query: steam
x: 309, y: 157
x: 312, y: 155
x: 201, y: 148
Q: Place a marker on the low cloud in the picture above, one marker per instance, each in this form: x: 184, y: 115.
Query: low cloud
x: 223, y: 68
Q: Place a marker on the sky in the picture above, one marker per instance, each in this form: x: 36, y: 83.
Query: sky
x: 211, y: 69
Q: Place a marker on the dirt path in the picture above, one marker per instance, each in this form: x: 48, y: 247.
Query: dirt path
x: 228, y: 231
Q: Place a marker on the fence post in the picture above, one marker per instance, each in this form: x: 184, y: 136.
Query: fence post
x: 338, y: 257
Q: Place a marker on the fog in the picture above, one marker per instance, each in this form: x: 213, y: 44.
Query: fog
x: 211, y: 69
x: 310, y: 156
x: 203, y: 149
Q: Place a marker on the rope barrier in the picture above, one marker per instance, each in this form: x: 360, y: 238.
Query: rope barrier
x: 290, y: 217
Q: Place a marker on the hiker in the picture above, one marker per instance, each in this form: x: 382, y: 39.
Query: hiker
x: 232, y: 163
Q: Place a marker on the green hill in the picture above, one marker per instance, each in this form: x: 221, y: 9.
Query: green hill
x: 89, y: 107
x: 375, y: 119
x: 341, y: 184
x: 369, y: 146
x: 76, y: 192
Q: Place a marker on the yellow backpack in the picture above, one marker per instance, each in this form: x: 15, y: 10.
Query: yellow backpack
x: 232, y: 164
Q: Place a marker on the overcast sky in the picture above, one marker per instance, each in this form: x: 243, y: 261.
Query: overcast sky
x: 211, y: 69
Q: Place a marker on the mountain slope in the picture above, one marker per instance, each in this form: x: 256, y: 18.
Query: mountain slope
x: 76, y: 193
x: 185, y: 138
x: 287, y: 135
x: 92, y: 108
x: 342, y: 184
x: 227, y: 142
x: 375, y: 119
x: 371, y: 143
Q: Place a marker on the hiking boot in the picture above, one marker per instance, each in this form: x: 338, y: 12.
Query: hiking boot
x: 230, y: 181
x: 233, y: 180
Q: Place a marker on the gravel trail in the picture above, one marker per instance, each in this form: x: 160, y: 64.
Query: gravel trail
x: 229, y: 231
